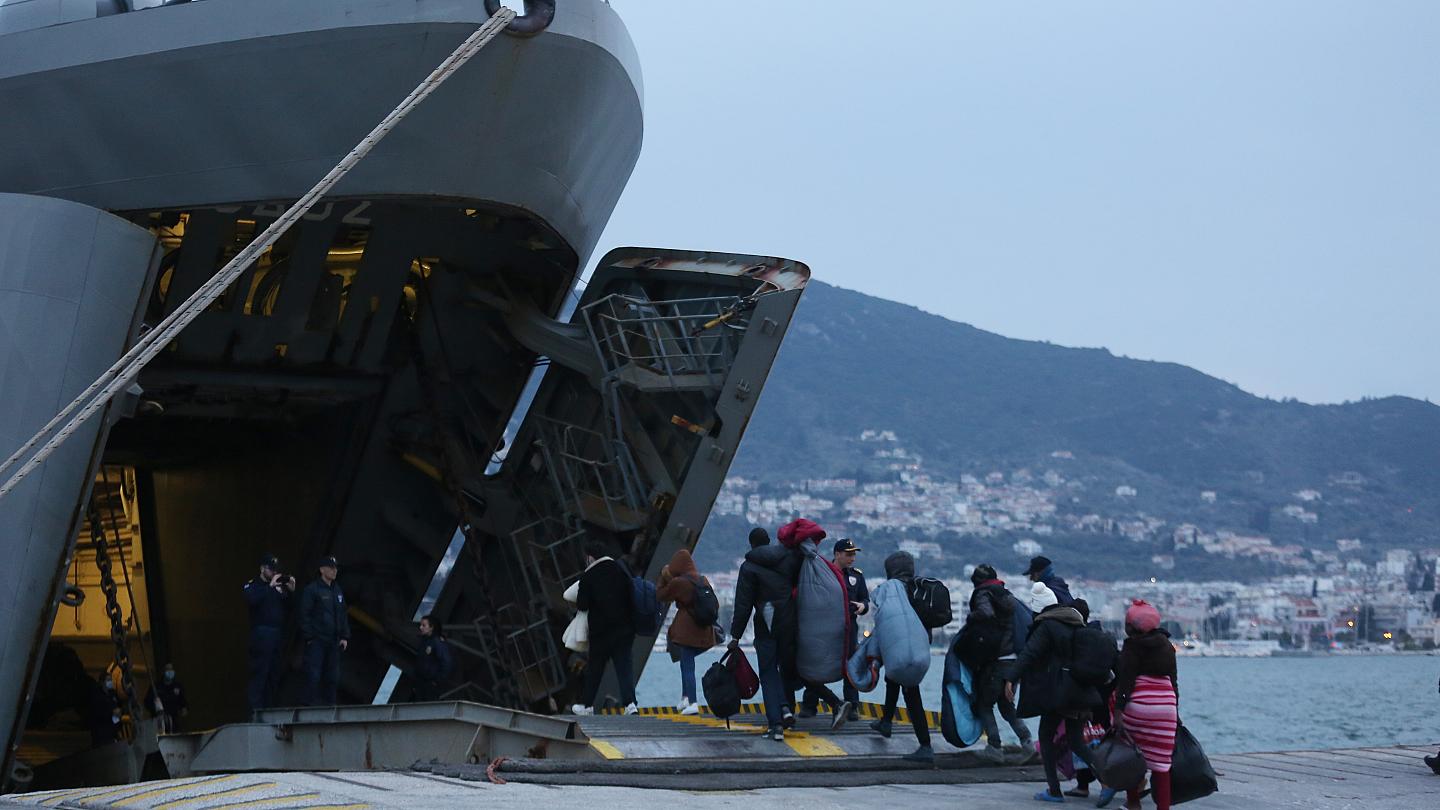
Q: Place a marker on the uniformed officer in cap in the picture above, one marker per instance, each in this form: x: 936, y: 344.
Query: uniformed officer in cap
x: 268, y: 596
x: 845, y: 550
x: 325, y: 626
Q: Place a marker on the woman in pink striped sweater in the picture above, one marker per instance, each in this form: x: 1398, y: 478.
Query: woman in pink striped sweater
x: 1147, y: 697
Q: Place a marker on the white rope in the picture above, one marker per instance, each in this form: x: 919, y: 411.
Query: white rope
x: 119, y: 376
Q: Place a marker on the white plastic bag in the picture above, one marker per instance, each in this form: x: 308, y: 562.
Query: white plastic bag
x: 577, y: 633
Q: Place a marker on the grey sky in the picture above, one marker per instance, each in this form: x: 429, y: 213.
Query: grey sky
x: 1249, y: 188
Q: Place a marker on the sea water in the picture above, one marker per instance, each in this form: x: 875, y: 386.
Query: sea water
x: 1237, y: 704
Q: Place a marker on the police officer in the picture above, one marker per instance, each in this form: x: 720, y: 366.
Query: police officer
x: 268, y: 595
x: 325, y: 627
x: 166, y: 701
x: 435, y: 662
x: 859, y: 592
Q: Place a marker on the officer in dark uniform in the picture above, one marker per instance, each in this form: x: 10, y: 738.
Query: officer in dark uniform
x: 859, y: 592
x: 325, y: 626
x: 268, y: 596
x: 434, y: 664
x: 166, y: 701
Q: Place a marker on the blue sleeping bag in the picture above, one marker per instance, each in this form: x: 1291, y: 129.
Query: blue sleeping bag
x: 899, y: 637
x: 958, y: 723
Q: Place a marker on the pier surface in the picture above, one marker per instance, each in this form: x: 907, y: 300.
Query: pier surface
x: 1324, y: 780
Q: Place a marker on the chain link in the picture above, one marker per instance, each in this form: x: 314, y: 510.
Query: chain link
x: 112, y: 609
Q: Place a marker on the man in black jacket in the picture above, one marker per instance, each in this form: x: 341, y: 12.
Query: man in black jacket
x: 606, y: 591
x: 267, y: 596
x: 325, y: 627
x: 1047, y: 689
x: 992, y: 611
x: 763, y: 588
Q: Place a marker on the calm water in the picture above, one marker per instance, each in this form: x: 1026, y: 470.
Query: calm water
x: 1243, y: 704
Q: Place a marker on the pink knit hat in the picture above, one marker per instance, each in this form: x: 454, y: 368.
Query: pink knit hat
x: 1142, y: 616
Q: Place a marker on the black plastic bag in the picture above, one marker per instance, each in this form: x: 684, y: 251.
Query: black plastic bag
x: 1118, y: 761
x: 1191, y: 776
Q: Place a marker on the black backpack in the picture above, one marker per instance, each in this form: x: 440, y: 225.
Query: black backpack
x: 978, y: 642
x: 722, y: 693
x: 931, y: 600
x: 704, y: 604
x: 1093, y: 656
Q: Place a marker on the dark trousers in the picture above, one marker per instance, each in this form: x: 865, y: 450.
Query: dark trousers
x: 1049, y: 754
x: 813, y: 695
x: 772, y: 685
x: 913, y: 704
x: 322, y: 672
x: 264, y: 667
x: 615, y: 650
x: 992, y: 696
x: 816, y: 692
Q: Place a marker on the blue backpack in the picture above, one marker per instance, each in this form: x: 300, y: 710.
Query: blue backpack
x: 649, y: 614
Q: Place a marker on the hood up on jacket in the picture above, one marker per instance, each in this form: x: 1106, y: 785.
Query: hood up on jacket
x: 682, y: 564
x: 900, y: 565
x: 1061, y: 613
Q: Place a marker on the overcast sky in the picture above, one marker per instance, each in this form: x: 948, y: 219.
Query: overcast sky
x: 1248, y: 188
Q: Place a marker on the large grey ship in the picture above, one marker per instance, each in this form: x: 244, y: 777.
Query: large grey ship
x: 411, y: 379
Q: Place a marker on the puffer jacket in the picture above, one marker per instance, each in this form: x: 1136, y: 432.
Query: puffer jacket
x: 1043, y: 666
x: 992, y: 602
x: 677, y: 585
x: 823, y: 618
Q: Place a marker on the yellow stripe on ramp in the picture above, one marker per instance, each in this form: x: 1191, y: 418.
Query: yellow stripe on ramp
x: 150, y: 794
x: 606, y: 750
x: 808, y: 746
x: 223, y: 794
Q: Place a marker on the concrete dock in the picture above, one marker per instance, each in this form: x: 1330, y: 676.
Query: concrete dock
x: 1324, y: 780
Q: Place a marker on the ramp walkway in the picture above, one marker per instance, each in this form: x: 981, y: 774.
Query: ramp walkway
x: 1322, y: 780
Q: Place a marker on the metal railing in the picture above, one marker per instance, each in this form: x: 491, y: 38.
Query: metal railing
x: 592, y: 474
x: 685, y: 338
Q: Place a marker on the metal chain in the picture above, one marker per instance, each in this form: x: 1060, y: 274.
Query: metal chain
x: 127, y: 368
x: 112, y: 609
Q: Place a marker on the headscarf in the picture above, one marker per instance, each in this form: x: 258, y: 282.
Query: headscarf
x: 1142, y: 616
x: 1041, y: 597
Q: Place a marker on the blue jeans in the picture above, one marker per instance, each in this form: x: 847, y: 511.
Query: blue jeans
x: 772, y: 686
x: 687, y: 671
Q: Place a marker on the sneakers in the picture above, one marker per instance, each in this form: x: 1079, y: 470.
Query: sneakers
x: 690, y: 708
x: 842, y: 714
x: 881, y: 727
x: 1047, y: 796
x: 925, y: 755
x: 788, y: 718
x: 776, y: 733
x: 581, y: 711
x: 633, y: 709
x: 684, y: 701
x: 992, y: 754
x: 807, y: 711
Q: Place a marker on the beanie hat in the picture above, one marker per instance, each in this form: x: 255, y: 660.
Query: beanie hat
x: 799, y: 531
x: 759, y: 537
x: 1041, y: 597
x: 983, y: 573
x: 1142, y: 616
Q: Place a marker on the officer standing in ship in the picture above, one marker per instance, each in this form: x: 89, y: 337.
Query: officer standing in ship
x: 325, y: 626
x: 268, y: 595
x: 859, y: 593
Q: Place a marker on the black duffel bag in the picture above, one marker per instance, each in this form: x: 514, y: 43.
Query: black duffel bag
x: 1191, y: 776
x: 1118, y: 762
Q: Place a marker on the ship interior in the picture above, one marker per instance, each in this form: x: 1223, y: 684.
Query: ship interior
x: 416, y: 389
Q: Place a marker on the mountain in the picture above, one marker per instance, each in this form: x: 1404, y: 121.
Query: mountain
x: 967, y: 400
